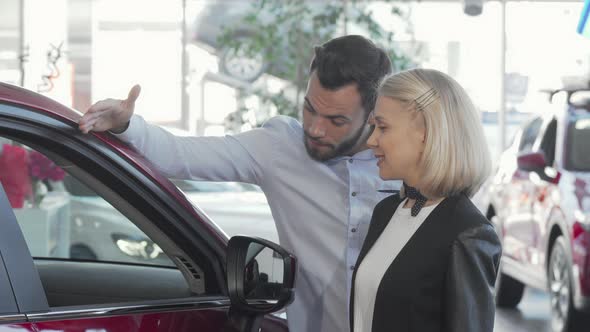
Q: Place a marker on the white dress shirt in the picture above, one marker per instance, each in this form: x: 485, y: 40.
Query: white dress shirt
x: 321, y: 209
x: 395, y: 236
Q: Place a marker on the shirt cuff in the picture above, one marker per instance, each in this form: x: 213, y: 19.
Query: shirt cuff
x: 135, y: 124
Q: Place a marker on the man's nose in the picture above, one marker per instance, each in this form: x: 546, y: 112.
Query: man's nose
x: 318, y: 128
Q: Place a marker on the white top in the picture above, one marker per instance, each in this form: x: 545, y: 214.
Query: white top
x: 395, y: 236
x: 321, y: 209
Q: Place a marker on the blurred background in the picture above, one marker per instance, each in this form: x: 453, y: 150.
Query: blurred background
x: 210, y: 67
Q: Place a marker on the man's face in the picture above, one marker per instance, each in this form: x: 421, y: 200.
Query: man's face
x: 333, y: 120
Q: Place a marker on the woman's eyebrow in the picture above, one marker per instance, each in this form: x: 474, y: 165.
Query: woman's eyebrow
x: 378, y: 118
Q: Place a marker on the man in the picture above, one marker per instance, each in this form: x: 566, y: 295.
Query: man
x: 320, y: 180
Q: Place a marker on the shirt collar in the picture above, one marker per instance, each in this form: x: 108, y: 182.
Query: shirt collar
x: 366, y: 154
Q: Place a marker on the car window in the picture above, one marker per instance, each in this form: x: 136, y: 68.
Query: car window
x: 548, y: 142
x: 578, y: 150
x: 61, y: 217
x: 86, y: 251
x: 529, y: 135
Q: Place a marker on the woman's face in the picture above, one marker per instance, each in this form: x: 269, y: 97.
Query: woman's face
x: 397, y: 140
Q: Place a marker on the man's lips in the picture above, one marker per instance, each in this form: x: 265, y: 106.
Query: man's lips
x: 317, y: 143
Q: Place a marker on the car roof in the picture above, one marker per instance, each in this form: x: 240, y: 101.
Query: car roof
x: 15, y: 95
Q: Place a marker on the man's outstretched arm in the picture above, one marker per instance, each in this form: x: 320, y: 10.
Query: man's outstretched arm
x: 229, y: 158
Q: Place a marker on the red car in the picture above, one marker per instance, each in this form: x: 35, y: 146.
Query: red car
x: 212, y: 284
x: 540, y: 205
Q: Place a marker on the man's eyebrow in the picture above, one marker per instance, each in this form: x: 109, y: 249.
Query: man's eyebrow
x: 308, y: 103
x: 331, y: 117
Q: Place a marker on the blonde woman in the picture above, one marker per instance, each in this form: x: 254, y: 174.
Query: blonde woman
x: 430, y: 258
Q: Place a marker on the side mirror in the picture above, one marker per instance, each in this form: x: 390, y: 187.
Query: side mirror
x: 260, y: 279
x: 531, y: 162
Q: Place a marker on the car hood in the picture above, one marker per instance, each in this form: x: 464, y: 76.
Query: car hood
x: 234, y: 202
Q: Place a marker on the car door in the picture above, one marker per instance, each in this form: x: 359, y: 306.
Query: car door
x: 516, y: 199
x: 161, y: 266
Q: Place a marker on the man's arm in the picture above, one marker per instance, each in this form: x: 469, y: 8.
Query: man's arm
x: 230, y: 158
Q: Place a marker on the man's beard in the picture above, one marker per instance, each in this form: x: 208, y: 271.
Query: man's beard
x: 341, y: 149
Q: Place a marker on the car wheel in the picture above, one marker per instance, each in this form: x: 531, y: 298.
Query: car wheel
x: 78, y: 251
x: 564, y: 317
x: 508, y: 291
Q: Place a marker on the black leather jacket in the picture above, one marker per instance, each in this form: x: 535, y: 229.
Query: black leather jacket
x: 443, y: 278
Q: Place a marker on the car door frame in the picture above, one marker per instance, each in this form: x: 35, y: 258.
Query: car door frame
x: 41, y: 131
x: 9, y: 311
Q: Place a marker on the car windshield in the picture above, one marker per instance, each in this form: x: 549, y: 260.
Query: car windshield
x: 579, y: 149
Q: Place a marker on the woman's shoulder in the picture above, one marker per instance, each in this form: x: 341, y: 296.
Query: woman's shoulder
x: 471, y: 224
x: 466, y: 214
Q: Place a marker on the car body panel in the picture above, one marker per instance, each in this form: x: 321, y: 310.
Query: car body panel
x: 530, y: 209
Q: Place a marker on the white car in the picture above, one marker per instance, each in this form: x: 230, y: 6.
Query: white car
x: 98, y: 231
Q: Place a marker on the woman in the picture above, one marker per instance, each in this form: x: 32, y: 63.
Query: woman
x: 430, y: 258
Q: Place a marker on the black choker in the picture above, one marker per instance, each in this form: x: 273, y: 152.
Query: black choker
x: 414, y: 194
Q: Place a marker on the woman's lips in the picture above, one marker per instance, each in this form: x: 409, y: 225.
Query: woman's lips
x: 380, y: 159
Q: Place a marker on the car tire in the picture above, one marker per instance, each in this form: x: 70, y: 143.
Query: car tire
x: 564, y: 316
x: 509, y: 291
x: 82, y: 252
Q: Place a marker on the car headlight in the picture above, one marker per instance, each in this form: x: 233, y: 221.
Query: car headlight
x: 138, y: 248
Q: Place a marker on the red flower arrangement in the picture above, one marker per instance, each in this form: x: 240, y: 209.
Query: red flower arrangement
x: 26, y: 174
x: 41, y: 170
x: 14, y: 174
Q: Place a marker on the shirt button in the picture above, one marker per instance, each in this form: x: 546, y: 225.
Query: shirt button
x: 352, y: 267
x: 353, y: 193
x: 350, y: 160
x: 353, y: 230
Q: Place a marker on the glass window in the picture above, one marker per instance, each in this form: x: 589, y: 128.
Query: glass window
x: 578, y: 149
x: 529, y: 135
x: 61, y: 217
x: 548, y: 142
x: 87, y: 252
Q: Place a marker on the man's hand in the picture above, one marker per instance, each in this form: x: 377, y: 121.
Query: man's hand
x: 110, y: 114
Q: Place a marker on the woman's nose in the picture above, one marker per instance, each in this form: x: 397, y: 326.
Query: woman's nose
x: 372, y: 141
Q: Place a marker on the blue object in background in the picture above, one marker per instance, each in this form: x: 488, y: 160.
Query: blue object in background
x: 583, y: 26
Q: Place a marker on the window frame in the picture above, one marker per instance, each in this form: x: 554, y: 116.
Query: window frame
x: 9, y: 244
x: 47, y: 133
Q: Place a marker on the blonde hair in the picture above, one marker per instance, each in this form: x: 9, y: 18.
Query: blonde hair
x: 456, y: 158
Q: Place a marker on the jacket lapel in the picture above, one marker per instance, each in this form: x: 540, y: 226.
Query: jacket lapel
x: 379, y: 221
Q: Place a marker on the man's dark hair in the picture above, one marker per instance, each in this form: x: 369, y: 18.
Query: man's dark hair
x: 352, y: 59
